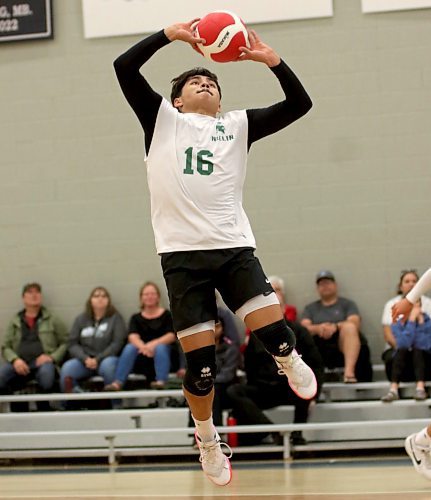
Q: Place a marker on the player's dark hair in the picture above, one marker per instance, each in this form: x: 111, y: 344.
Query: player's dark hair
x: 179, y: 82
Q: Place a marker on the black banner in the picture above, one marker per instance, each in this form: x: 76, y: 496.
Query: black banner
x: 25, y: 20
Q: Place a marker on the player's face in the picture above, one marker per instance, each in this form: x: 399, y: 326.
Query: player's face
x: 199, y: 95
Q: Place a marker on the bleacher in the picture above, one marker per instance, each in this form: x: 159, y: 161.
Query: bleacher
x: 347, y: 417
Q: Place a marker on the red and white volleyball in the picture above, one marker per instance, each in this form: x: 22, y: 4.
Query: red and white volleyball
x: 224, y: 33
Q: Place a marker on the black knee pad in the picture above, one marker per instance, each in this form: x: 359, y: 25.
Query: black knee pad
x: 278, y: 338
x: 201, y: 370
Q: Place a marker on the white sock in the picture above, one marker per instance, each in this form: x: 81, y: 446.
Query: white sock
x: 422, y: 438
x: 206, y: 429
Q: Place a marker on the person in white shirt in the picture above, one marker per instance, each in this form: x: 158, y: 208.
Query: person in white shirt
x: 404, y: 362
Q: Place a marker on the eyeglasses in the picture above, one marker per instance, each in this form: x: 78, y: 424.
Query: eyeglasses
x: 99, y: 295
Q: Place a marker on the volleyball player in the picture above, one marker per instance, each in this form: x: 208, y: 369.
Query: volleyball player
x: 196, y: 164
x: 418, y: 445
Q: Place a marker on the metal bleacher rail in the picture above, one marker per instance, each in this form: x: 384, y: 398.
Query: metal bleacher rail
x: 354, y: 422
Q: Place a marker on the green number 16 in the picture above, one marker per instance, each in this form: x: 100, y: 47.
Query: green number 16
x: 203, y: 165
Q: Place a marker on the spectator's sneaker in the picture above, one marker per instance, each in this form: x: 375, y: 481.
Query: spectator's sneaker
x: 420, y: 456
x: 300, y: 376
x: 157, y: 384
x: 420, y: 394
x: 215, y: 463
x: 390, y: 396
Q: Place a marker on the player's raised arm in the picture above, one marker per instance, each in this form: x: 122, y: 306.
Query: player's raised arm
x: 144, y: 101
x: 266, y: 121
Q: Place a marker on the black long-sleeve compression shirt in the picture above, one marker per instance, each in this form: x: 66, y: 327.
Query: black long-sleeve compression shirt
x: 146, y: 102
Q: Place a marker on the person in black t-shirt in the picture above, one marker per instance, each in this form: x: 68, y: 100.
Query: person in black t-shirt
x: 150, y: 338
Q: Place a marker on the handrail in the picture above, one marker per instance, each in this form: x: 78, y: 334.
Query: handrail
x: 241, y: 429
x: 70, y: 396
x: 283, y: 429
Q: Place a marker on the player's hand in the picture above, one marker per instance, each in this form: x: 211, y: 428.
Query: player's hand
x: 21, y: 367
x: 259, y: 51
x: 184, y: 32
x: 401, y: 310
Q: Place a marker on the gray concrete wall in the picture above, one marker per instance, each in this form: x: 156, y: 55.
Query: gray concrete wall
x: 346, y: 188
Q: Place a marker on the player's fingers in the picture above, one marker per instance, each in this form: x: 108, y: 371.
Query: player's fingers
x: 251, y: 38
x: 193, y: 21
x: 196, y: 40
x: 245, y: 51
x: 245, y: 54
x: 255, y: 35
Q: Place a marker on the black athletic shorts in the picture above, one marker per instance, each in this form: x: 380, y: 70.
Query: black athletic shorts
x: 329, y: 350
x: 192, y: 277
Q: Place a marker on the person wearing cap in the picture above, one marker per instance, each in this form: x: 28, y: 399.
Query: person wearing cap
x: 34, y: 345
x: 334, y: 323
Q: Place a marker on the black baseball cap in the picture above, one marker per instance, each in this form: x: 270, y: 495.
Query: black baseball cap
x: 29, y: 286
x: 325, y: 274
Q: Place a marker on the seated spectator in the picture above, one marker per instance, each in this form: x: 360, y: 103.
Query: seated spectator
x: 33, y: 347
x: 289, y: 311
x: 96, y: 339
x: 406, y: 368
x: 405, y: 356
x: 265, y: 388
x: 148, y: 351
x: 334, y: 323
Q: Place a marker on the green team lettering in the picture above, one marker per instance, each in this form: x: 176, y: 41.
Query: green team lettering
x: 204, y: 166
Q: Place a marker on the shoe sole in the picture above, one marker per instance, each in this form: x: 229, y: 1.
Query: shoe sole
x: 409, y: 450
x: 212, y: 478
x: 302, y: 396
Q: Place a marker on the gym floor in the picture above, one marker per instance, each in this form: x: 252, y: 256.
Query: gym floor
x: 326, y: 479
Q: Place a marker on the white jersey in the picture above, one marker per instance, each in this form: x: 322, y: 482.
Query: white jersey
x: 196, y: 170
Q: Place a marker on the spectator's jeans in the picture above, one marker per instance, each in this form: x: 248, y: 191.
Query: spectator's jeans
x: 76, y: 370
x: 10, y: 380
x: 129, y: 356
